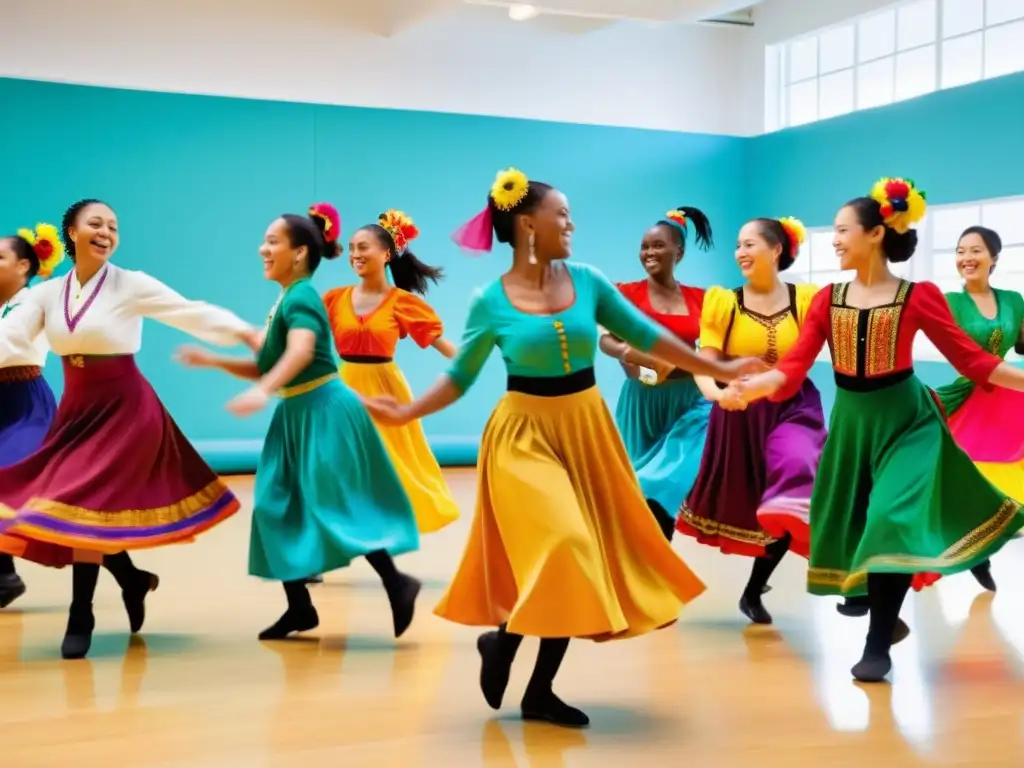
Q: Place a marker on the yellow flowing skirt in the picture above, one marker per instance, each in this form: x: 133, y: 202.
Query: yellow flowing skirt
x: 418, y: 470
x: 562, y: 542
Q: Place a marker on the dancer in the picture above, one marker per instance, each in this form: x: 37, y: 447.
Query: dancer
x: 367, y: 321
x: 562, y: 543
x: 326, y: 492
x: 987, y: 424
x: 114, y: 472
x: 662, y: 415
x: 27, y: 404
x: 902, y: 501
x: 753, y: 491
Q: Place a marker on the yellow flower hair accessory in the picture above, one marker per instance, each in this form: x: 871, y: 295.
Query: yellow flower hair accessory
x: 902, y: 203
x: 509, y: 188
x: 401, y: 228
x: 46, y: 243
x: 795, y: 231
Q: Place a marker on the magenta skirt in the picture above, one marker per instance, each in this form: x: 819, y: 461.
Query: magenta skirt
x: 114, y: 473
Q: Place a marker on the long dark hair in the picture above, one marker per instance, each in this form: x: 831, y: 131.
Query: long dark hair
x: 407, y: 271
x: 702, y: 234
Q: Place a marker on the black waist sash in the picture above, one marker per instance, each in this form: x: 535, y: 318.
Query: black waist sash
x: 371, y: 359
x: 553, y: 386
x: 861, y: 384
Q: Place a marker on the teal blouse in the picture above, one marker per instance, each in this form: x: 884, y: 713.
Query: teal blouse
x: 548, y: 345
x: 997, y: 335
x: 300, y: 306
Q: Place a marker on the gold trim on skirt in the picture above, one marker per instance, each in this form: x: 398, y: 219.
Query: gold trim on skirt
x: 562, y: 542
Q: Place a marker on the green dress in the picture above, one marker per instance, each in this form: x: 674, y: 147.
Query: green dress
x: 894, y: 492
x: 326, y: 492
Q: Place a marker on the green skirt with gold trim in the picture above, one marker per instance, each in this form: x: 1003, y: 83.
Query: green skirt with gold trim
x: 895, y: 494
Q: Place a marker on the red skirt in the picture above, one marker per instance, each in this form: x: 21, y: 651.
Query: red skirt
x: 114, y: 473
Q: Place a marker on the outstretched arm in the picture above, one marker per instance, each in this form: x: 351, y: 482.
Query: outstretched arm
x: 445, y: 347
x: 196, y: 357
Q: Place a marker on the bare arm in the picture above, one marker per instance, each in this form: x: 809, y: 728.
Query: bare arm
x: 445, y: 347
x: 241, y: 367
x: 297, y: 355
x: 706, y: 384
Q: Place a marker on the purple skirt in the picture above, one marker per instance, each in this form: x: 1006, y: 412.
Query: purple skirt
x: 27, y: 407
x: 756, y: 476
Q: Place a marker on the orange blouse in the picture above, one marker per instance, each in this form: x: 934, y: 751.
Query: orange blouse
x: 377, y: 333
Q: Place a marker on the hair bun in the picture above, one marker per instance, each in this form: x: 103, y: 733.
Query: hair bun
x: 326, y: 217
x: 795, y: 231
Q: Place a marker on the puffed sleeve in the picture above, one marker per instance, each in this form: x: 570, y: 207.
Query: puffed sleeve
x: 417, y: 319
x: 22, y: 325
x: 805, y: 293
x: 795, y: 364
x: 303, y: 309
x: 148, y: 297
x: 715, y: 316
x: 331, y: 299
x: 929, y: 309
x: 477, y: 342
x: 616, y: 314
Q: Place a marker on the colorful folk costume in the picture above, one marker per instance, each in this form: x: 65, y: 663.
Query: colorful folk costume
x: 664, y: 424
x: 27, y: 404
x: 114, y: 472
x: 366, y: 345
x: 989, y: 423
x: 326, y: 492
x: 902, y: 497
x: 752, y: 494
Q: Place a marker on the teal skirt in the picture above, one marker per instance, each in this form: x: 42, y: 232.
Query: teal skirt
x: 663, y: 428
x: 326, y: 491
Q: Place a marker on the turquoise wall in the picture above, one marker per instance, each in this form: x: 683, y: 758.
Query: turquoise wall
x: 960, y: 144
x: 195, y: 180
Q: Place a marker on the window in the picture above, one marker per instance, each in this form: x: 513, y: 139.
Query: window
x: 908, y: 50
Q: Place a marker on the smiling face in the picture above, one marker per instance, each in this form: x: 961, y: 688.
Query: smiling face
x: 94, y: 232
x: 551, y: 226
x: 755, y: 256
x: 974, y: 262
x: 854, y: 244
x: 280, y: 259
x: 368, y: 255
x: 660, y: 251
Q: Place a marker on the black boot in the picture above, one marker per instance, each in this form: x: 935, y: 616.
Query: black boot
x: 300, y: 616
x: 751, y: 604
x: 135, y: 585
x: 855, y: 606
x: 982, y: 572
x: 539, y: 701
x: 402, y: 590
x: 497, y: 652
x: 81, y: 622
x: 886, y: 592
x: 11, y: 585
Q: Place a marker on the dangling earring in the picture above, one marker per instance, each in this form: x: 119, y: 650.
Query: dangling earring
x: 533, y: 253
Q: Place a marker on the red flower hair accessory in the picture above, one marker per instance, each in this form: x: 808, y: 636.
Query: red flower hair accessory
x: 328, y: 214
x: 677, y: 217
x: 401, y: 228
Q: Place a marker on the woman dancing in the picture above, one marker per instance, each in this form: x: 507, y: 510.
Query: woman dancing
x: 27, y: 404
x: 662, y: 415
x: 562, y: 543
x: 753, y: 490
x: 367, y: 321
x: 326, y: 492
x: 987, y: 423
x: 902, y: 500
x: 114, y: 472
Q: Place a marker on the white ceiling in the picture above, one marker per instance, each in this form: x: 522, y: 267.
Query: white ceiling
x: 387, y: 17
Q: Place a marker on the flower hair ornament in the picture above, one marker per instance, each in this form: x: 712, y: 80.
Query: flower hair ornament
x: 401, y: 228
x: 678, y: 218
x: 795, y: 231
x: 509, y: 189
x: 902, y: 203
x: 328, y: 214
x: 46, y: 243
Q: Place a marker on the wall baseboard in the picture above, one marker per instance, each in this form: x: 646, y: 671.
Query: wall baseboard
x: 239, y: 457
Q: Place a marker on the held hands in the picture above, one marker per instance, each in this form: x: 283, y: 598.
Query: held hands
x: 386, y: 410
x: 249, y: 402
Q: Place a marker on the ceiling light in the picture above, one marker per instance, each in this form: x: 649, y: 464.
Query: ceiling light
x: 522, y: 12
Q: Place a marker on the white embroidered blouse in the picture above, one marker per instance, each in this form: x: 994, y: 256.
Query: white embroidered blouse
x: 104, y: 316
x: 27, y: 352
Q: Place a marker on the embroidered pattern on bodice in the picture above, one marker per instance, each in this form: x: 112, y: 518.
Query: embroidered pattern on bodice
x: 863, y: 341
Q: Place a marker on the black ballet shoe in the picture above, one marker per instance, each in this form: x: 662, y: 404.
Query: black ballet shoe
x: 494, y: 670
x: 753, y: 609
x: 549, y: 708
x: 78, y: 636
x: 11, y: 588
x: 982, y: 573
x: 872, y: 668
x: 900, y: 632
x: 403, y: 602
x: 134, y: 597
x: 292, y: 620
x: 854, y: 607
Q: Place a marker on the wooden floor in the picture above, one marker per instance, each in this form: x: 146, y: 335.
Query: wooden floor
x: 199, y: 690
